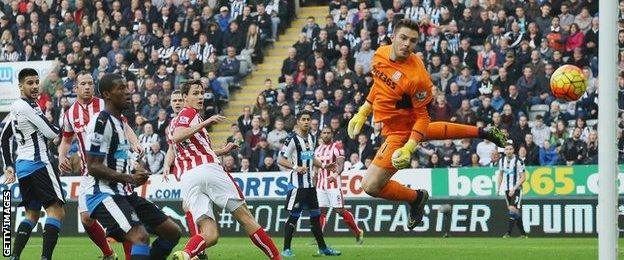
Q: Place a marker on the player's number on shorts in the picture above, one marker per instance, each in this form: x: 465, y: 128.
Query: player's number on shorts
x: 543, y: 182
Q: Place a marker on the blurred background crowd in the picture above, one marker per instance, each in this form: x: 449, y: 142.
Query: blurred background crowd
x: 490, y: 62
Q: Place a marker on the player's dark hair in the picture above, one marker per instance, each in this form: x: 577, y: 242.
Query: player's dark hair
x: 186, y: 87
x: 27, y: 72
x: 302, y: 113
x: 176, y: 92
x: 108, y: 82
x: 407, y: 23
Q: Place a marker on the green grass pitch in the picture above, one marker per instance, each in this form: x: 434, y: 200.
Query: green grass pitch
x: 374, y: 248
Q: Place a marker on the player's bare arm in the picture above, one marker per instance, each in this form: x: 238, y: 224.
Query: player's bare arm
x: 180, y: 134
x: 499, y: 181
x: 99, y: 170
x: 133, y: 139
x: 63, y: 149
x: 520, y: 182
x: 226, y: 149
x: 169, y: 157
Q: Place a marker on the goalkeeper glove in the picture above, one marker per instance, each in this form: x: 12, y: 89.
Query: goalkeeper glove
x: 358, y: 120
x: 401, y: 157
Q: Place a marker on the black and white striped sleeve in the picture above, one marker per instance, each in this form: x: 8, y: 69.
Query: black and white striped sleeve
x: 98, y: 136
x: 289, y: 148
x: 35, y: 116
x: 5, y: 141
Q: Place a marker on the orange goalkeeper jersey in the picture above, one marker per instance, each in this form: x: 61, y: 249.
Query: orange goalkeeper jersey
x: 400, y: 94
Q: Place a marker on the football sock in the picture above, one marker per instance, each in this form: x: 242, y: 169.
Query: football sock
x: 98, y: 236
x: 23, y: 234
x: 519, y: 224
x: 446, y: 130
x: 195, y: 245
x: 50, y: 237
x: 322, y: 220
x: 140, y: 252
x: 397, y: 192
x: 348, y: 218
x: 127, y: 246
x: 316, y: 229
x: 161, y: 248
x: 511, y: 223
x: 190, y: 223
x: 289, y: 230
x: 262, y: 240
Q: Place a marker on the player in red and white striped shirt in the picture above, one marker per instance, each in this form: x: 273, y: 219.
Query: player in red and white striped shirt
x: 327, y: 186
x: 204, y: 181
x: 75, y: 120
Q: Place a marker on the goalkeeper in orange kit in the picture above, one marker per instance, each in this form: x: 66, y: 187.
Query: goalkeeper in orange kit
x: 399, y: 97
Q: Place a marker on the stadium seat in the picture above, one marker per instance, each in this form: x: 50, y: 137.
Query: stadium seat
x: 540, y: 107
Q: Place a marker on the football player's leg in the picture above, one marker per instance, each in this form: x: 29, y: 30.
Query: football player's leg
x: 168, y: 232
x: 256, y: 233
x: 96, y: 233
x: 447, y: 130
x: 25, y: 228
x: 377, y: 181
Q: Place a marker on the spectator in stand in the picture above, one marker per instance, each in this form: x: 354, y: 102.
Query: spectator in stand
x: 465, y: 115
x: 155, y: 158
x: 229, y: 69
x: 540, y: 131
x: 532, y: 150
x: 592, y: 148
x: 441, y: 110
x: 269, y: 165
x: 150, y: 111
x: 277, y: 135
x: 574, y: 149
x: 548, y: 155
x: 246, y: 166
x: 260, y: 152
x: 148, y: 137
x: 487, y: 57
x: 484, y: 152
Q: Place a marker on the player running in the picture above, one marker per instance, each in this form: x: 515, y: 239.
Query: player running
x: 38, y: 183
x: 511, y: 175
x: 204, y: 181
x: 298, y: 155
x: 75, y: 121
x: 177, y: 103
x: 109, y: 186
x: 327, y: 182
x: 399, y: 99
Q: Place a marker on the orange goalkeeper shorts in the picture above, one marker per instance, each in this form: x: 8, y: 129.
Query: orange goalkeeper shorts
x: 383, y: 158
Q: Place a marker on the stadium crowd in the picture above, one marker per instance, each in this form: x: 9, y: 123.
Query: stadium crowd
x: 490, y: 62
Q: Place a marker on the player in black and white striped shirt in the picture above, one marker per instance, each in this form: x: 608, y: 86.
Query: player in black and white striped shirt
x: 298, y: 155
x: 39, y: 184
x: 110, y: 197
x: 511, y: 176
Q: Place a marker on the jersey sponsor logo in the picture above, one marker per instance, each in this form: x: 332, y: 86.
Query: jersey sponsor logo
x: 307, y: 155
x: 96, y: 139
x: 397, y: 75
x: 384, y: 78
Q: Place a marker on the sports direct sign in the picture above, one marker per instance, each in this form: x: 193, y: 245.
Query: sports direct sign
x: 544, y: 182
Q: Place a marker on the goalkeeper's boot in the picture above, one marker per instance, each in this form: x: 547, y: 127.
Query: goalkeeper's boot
x: 493, y: 135
x: 329, y: 252
x: 417, y: 208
